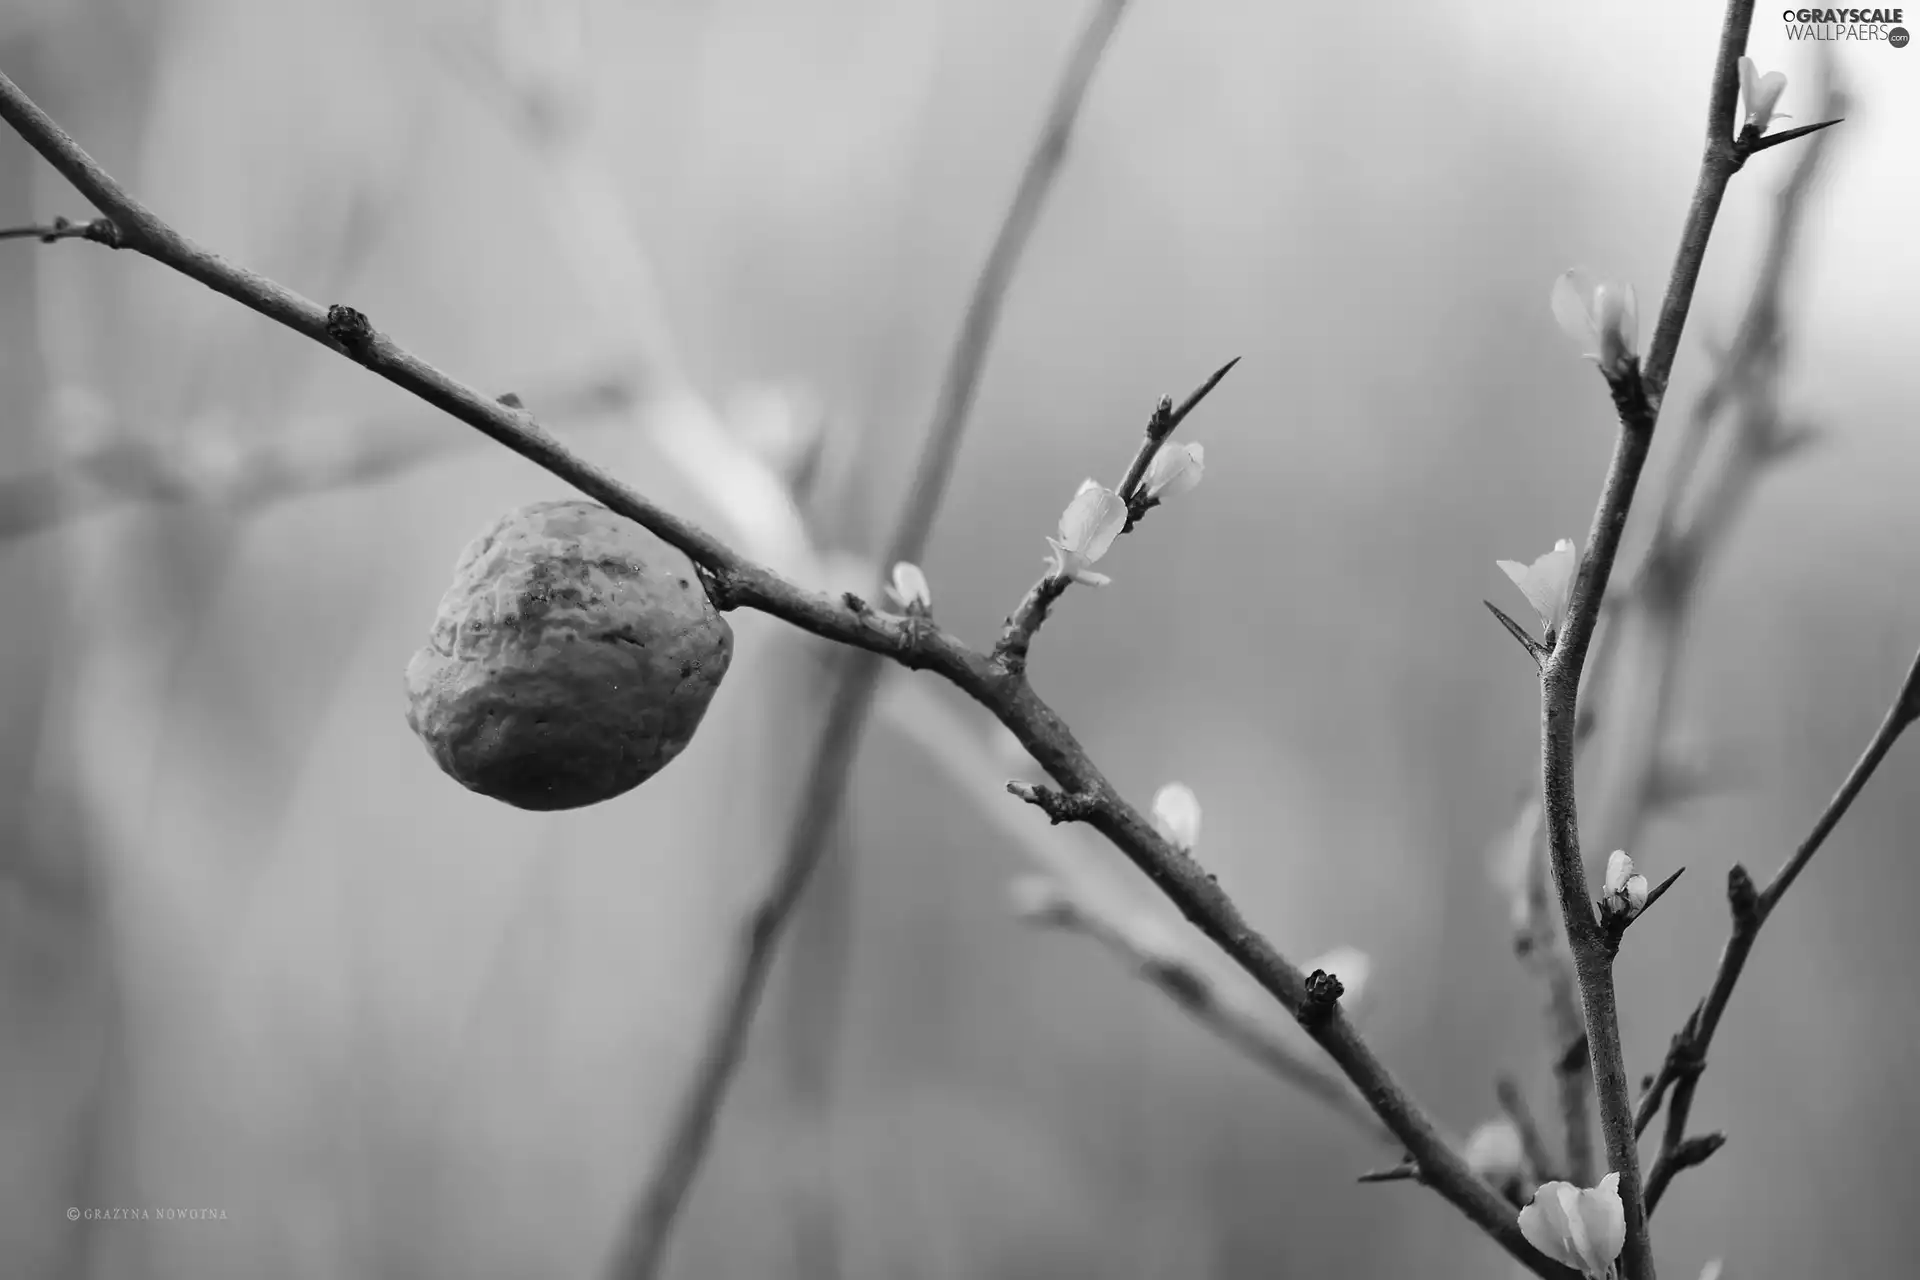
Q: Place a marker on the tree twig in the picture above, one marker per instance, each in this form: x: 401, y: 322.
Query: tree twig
x: 1533, y: 1144
x: 831, y: 763
x: 1138, y: 943
x: 1637, y: 394
x: 1687, y: 1058
x: 735, y: 582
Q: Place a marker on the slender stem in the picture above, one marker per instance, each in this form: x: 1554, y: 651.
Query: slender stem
x: 1637, y: 395
x: 735, y: 582
x: 1688, y: 1057
x: 857, y: 679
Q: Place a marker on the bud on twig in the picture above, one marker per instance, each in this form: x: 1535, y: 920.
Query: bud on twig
x: 1626, y: 889
x: 1176, y: 816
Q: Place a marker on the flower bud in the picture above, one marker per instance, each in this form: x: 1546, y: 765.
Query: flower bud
x: 1579, y: 1228
x: 909, y: 589
x: 1494, y: 1151
x: 1760, y: 93
x: 1626, y: 889
x: 1087, y: 528
x: 1547, y: 583
x: 1601, y: 315
x: 1175, y: 470
x: 1176, y: 816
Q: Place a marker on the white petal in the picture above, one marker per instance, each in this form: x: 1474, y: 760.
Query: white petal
x: 1175, y: 470
x: 1547, y: 1224
x: 1619, y: 871
x: 1176, y: 816
x: 1547, y: 582
x: 1603, y: 1222
x: 1572, y: 300
x: 1636, y: 894
x: 909, y: 587
x: 1494, y: 1151
x: 1091, y: 522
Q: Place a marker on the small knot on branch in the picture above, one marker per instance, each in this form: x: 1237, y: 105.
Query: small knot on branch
x: 1059, y: 806
x: 350, y: 329
x: 1743, y: 897
x: 1323, y: 996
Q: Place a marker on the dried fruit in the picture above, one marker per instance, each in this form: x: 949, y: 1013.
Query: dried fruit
x: 572, y: 658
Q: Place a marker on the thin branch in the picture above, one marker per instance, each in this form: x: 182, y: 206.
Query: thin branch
x: 1017, y: 632
x: 1684, y: 1155
x: 1687, y: 1058
x: 1107, y: 910
x: 1533, y: 1145
x: 1542, y: 948
x: 735, y: 582
x: 1743, y: 389
x: 131, y: 469
x: 99, y: 230
x: 1637, y: 395
x: 1138, y: 942
x: 654, y: 1211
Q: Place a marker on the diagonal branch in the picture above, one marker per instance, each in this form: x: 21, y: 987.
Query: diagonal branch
x: 1687, y: 1058
x: 1137, y: 942
x: 735, y: 582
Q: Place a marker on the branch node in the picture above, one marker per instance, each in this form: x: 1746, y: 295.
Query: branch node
x: 1323, y: 997
x: 1059, y: 806
x: 1743, y: 898
x: 350, y: 330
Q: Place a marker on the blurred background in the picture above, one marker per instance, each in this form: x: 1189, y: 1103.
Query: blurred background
x: 258, y: 955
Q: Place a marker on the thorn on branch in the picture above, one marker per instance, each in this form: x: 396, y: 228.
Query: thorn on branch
x: 1405, y: 1171
x: 1535, y: 650
x: 1059, y: 806
x: 1747, y: 148
x: 1618, y: 922
x: 350, y: 330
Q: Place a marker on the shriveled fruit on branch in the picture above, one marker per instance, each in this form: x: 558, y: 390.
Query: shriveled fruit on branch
x: 572, y: 658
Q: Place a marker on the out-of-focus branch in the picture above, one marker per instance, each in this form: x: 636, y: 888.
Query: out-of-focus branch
x: 1698, y: 509
x: 831, y: 763
x: 320, y: 456
x: 1687, y: 1058
x: 1142, y: 944
x: 736, y: 582
x: 1542, y: 948
x: 99, y: 230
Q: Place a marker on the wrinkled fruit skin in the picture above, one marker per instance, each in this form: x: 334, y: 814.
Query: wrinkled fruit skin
x: 572, y: 658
